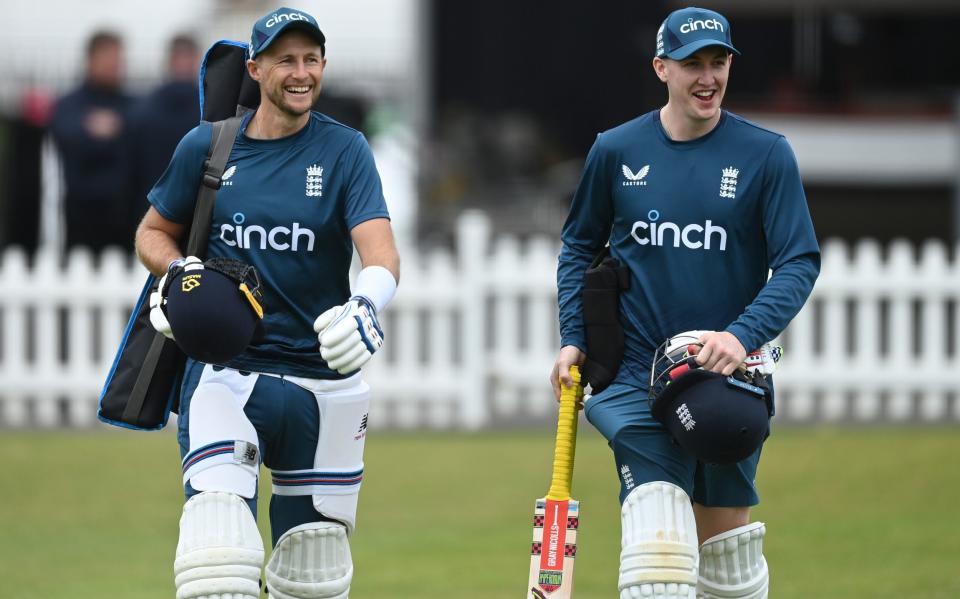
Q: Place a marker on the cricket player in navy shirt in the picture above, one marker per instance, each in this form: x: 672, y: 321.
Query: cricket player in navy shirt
x: 300, y: 191
x: 700, y: 205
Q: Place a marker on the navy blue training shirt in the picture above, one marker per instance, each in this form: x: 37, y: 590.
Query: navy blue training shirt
x: 699, y: 224
x: 287, y: 207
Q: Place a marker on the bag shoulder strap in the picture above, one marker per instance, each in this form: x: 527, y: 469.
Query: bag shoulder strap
x: 221, y: 143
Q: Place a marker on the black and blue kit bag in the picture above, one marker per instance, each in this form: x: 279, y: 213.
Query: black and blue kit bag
x: 143, y: 384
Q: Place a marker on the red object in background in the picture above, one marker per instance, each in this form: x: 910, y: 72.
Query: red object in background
x: 36, y: 107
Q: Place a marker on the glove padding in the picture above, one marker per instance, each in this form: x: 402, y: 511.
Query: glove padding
x: 158, y: 297
x: 764, y: 360
x: 349, y: 334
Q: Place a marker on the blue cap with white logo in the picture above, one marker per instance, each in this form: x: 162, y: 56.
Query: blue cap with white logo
x: 271, y: 25
x: 689, y: 29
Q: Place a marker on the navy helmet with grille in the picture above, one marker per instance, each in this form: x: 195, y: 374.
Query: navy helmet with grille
x: 719, y: 419
x: 214, y: 311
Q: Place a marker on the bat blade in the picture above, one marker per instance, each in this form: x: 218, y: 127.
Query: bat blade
x: 554, y: 548
x: 556, y: 517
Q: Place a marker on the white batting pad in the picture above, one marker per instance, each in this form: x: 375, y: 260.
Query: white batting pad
x: 220, y: 552
x: 337, y: 474
x: 224, y: 451
x: 659, y: 554
x: 732, y: 565
x: 311, y: 561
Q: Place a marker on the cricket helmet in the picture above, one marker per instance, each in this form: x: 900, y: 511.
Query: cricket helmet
x: 719, y: 419
x: 214, y: 311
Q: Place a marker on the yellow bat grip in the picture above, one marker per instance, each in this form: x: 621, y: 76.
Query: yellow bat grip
x: 566, y: 444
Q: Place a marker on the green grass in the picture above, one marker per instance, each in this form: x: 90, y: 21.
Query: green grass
x: 858, y: 513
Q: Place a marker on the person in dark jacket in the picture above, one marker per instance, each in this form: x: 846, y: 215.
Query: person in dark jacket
x: 88, y: 128
x: 161, y: 119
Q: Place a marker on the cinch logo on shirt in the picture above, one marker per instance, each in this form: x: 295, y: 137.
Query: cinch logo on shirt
x: 693, y: 236
x: 281, y: 239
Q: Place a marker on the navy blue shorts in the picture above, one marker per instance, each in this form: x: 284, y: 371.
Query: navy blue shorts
x: 645, y: 452
x: 283, y: 422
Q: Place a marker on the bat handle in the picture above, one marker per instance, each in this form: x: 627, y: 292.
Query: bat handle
x: 566, y: 443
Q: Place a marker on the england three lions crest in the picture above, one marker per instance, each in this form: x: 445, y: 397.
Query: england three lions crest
x: 728, y: 182
x: 314, y: 181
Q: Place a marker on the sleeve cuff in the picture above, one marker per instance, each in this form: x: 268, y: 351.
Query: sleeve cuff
x: 741, y: 333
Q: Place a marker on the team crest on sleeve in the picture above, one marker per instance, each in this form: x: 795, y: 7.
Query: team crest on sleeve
x: 314, y: 181
x: 728, y: 182
x: 631, y: 178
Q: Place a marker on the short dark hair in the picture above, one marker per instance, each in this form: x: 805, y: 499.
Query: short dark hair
x: 102, y: 39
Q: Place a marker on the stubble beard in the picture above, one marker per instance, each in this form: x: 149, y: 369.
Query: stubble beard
x: 276, y: 98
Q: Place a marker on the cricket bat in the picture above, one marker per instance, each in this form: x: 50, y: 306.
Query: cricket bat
x: 556, y: 517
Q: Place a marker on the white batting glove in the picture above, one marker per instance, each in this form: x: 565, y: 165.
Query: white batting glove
x: 349, y: 334
x: 158, y: 297
x: 765, y: 359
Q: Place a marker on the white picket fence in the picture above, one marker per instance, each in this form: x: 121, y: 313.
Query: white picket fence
x: 472, y: 335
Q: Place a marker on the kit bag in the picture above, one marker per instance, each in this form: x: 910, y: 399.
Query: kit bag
x: 143, y: 384
x: 602, y: 284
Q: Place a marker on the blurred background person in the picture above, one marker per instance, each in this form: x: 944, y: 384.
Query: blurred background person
x: 20, y: 183
x: 88, y: 126
x: 160, y: 119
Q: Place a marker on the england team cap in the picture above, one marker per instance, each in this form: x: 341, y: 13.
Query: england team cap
x: 687, y: 30
x: 271, y: 25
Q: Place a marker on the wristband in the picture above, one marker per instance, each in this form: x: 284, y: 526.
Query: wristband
x: 175, y: 263
x: 377, y: 284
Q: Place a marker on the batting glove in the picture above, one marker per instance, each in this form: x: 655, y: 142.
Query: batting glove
x: 349, y: 334
x: 158, y: 298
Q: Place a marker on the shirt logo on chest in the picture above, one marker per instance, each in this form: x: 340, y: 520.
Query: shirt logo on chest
x: 728, y: 182
x: 225, y: 178
x: 634, y: 178
x: 314, y: 181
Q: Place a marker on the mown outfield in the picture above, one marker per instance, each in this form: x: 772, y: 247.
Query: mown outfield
x: 858, y: 513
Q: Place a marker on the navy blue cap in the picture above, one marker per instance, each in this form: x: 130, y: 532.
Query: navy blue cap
x: 689, y: 29
x: 271, y: 25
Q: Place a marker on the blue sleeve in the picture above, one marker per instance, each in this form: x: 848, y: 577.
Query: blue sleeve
x: 364, y: 195
x: 792, y: 252
x: 584, y: 234
x: 175, y: 194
